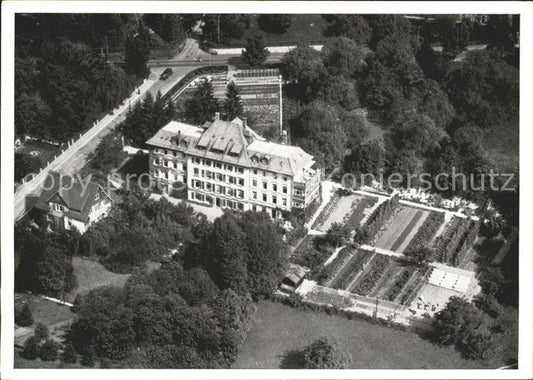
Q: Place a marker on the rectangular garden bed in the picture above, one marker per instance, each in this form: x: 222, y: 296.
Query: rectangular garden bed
x: 400, y: 228
x: 352, y: 268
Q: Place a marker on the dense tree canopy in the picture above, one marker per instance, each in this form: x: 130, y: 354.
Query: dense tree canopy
x: 45, y: 259
x: 64, y: 89
x: 484, y: 90
x: 145, y: 118
x: 319, y: 131
x: 341, y: 56
x: 25, y: 164
x: 324, y: 354
x: 462, y: 324
x: 199, y: 324
x: 170, y: 27
x: 137, y: 53
x: 203, y: 105
x: 303, y: 66
x: 243, y: 252
x: 136, y: 231
x: 222, y: 28
x: 387, y: 25
x: 274, y: 23
x: 354, y: 27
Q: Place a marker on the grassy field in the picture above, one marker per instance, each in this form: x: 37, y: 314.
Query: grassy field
x: 45, y: 312
x: 42, y: 151
x: 20, y: 362
x: 91, y: 274
x: 279, y: 328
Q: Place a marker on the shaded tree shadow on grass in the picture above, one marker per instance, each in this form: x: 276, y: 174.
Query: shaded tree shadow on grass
x: 292, y: 359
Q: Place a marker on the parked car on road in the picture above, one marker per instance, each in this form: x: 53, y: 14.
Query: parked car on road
x: 168, y: 72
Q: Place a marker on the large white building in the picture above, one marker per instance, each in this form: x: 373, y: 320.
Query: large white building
x: 227, y: 165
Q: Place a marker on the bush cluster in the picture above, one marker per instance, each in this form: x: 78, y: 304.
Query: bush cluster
x: 367, y: 283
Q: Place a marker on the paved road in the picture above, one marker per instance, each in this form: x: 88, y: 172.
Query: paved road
x: 34, y: 186
x: 73, y: 159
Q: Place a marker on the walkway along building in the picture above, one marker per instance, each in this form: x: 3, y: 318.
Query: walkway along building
x: 227, y: 165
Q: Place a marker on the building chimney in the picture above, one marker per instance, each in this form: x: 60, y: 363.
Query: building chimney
x: 217, y: 115
x: 284, y: 137
x: 178, y: 138
x: 244, y: 122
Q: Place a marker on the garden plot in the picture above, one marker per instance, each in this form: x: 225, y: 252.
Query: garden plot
x: 401, y: 229
x: 410, y: 286
x: 338, y: 210
x: 376, y: 268
x: 349, y: 272
x: 386, y: 279
x: 348, y: 210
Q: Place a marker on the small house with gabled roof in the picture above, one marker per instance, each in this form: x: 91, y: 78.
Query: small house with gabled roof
x: 73, y: 203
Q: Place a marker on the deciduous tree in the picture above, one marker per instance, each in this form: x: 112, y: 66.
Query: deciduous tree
x: 274, y: 23
x: 354, y: 27
x: 341, y: 56
x: 324, y: 354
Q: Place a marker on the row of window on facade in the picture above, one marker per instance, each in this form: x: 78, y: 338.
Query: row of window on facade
x: 169, y: 152
x: 220, y: 202
x: 274, y: 199
x: 169, y: 176
x: 219, y: 189
x: 217, y: 165
x: 264, y: 173
x: 218, y: 176
x: 169, y: 164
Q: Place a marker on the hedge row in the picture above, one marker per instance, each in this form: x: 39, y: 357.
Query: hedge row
x: 349, y: 271
x: 324, y: 214
x: 426, y: 232
x: 400, y: 282
x: 327, y: 272
x: 447, y: 243
x: 466, y: 242
x: 368, y: 282
x: 297, y: 301
x: 376, y: 220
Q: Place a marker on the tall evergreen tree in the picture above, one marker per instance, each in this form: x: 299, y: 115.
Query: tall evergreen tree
x: 31, y: 348
x: 202, y: 106
x: 24, y: 317
x: 233, y: 104
x: 255, y: 52
x: 69, y: 354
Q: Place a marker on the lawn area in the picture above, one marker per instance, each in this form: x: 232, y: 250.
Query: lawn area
x: 91, y: 274
x: 44, y: 152
x: 44, y: 311
x: 279, y: 328
x: 54, y: 316
x: 20, y: 362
